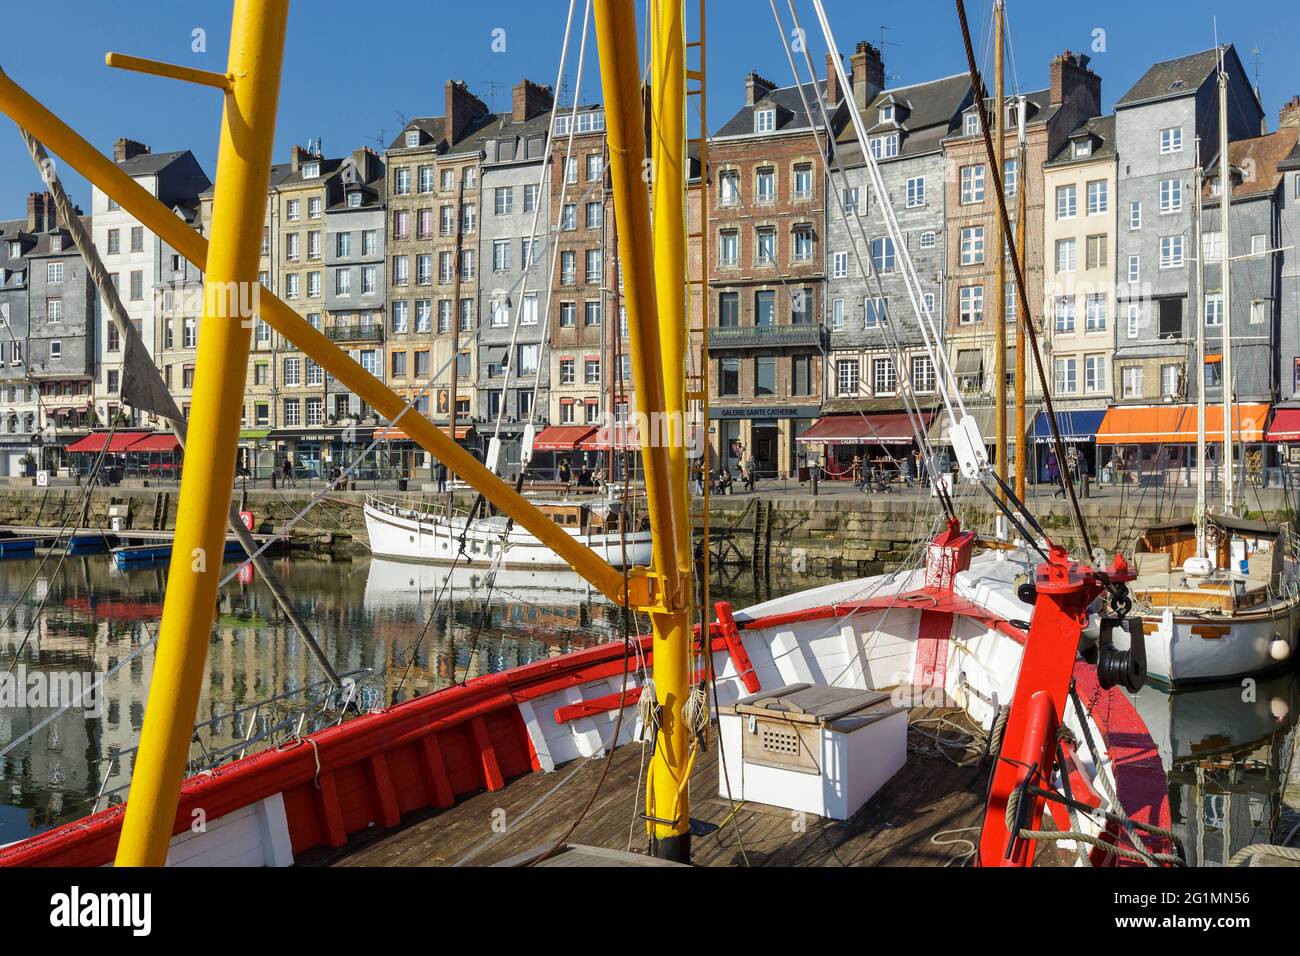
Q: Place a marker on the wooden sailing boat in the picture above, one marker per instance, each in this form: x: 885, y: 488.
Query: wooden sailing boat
x: 1220, y: 595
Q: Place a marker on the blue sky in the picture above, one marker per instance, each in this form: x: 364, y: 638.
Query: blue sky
x: 348, y: 83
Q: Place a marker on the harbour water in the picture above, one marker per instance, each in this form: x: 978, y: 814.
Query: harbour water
x: 397, y: 630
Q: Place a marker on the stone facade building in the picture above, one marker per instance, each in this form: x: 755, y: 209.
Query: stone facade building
x: 140, y: 263
x: 972, y: 299
x: 518, y: 180
x: 356, y: 281
x: 583, y: 318
x: 434, y: 166
x: 869, y: 311
x: 1167, y: 125
x: 1078, y: 305
x: 1289, y: 280
x: 766, y: 276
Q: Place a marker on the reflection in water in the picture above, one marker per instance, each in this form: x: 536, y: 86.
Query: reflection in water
x: 1227, y: 752
x: 413, y: 630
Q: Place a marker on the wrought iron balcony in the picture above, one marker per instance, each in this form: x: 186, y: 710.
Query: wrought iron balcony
x: 764, y: 336
x: 362, y: 332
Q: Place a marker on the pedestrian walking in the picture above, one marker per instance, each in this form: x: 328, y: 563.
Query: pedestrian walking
x: 440, y: 472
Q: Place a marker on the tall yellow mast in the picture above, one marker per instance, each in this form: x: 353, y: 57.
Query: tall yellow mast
x: 655, y: 299
x: 1000, y: 286
x: 239, y: 208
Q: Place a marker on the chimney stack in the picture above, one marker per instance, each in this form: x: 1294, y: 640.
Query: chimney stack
x: 300, y: 156
x: 1071, y: 79
x: 463, y: 107
x: 39, y: 207
x: 756, y: 88
x: 867, y: 67
x: 530, y: 99
x: 369, y: 165
x: 832, y: 81
x: 125, y: 149
x: 1288, y: 116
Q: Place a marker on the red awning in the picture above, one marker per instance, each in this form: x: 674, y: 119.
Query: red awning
x: 562, y: 437
x: 160, y: 444
x: 117, y: 443
x: 890, y: 428
x: 1285, y: 425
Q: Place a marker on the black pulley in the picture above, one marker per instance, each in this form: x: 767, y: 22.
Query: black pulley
x: 1116, y: 668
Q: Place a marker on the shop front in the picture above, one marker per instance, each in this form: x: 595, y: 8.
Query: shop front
x: 853, y: 444
x: 767, y: 433
x: 109, y: 449
x: 397, y: 455
x: 1156, y: 444
x: 1078, y: 428
x: 559, y: 443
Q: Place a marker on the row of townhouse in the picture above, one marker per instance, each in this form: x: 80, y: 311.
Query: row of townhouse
x: 473, y: 264
x: 1110, y: 272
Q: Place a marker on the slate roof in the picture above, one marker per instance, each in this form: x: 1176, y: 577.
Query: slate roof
x: 294, y: 177
x: 1102, y: 129
x: 1174, y: 78
x: 790, y: 117
x: 925, y: 112
x: 150, y: 164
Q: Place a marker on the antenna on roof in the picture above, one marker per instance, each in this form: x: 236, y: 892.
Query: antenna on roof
x: 493, y: 88
x: 884, y: 43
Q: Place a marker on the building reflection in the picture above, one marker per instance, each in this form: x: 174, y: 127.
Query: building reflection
x: 90, y: 618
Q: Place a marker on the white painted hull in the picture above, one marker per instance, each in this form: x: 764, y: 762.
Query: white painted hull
x: 392, y: 583
x: 1177, y: 656
x: 411, y: 536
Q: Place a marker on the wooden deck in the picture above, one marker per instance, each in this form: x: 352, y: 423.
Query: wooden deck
x: 925, y: 798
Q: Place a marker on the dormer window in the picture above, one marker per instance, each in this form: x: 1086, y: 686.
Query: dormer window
x: 765, y: 121
x: 972, y: 123
x: 885, y: 147
x: 15, y: 249
x: 354, y: 200
x: 1012, y: 116
x: 887, y: 114
x: 56, y: 243
x: 1082, y: 147
x: 311, y: 170
x: 412, y: 137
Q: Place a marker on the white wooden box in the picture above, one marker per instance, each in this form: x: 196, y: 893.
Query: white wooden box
x: 822, y: 750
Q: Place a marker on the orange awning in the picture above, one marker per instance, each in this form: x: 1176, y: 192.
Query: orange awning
x: 1176, y: 424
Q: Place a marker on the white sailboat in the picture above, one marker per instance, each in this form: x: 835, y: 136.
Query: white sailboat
x: 1220, y: 595
x: 403, y: 533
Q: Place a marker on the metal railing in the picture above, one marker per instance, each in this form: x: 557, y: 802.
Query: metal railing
x: 763, y: 336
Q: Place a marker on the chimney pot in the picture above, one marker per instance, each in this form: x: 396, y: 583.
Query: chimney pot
x: 756, y: 87
x: 867, y: 71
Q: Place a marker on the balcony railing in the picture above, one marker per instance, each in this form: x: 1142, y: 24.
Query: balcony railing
x: 363, y: 332
x: 763, y: 336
